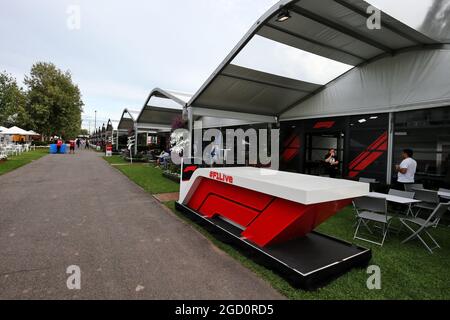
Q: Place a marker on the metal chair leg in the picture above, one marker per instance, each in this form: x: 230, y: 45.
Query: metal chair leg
x: 416, y: 234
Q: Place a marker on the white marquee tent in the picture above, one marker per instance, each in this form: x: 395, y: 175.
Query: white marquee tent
x: 13, y: 131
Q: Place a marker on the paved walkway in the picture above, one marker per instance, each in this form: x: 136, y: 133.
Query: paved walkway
x: 67, y: 210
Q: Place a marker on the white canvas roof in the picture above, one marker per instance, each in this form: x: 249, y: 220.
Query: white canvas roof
x: 127, y: 120
x: 33, y: 133
x: 167, y: 98
x: 16, y: 131
x: 406, y: 81
x: 161, y: 108
x: 280, y: 65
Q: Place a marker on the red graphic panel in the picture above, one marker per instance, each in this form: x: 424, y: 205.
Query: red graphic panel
x: 292, y: 148
x: 369, y: 156
x: 266, y: 219
x: 286, y: 220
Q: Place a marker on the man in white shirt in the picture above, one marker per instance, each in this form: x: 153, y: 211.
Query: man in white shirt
x: 407, y: 169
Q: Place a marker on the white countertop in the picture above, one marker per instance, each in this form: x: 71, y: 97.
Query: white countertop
x: 295, y: 187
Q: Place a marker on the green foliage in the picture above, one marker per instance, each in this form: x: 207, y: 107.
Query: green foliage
x: 54, y: 101
x: 173, y: 168
x: 51, y: 105
x: 12, y: 103
x: 41, y: 143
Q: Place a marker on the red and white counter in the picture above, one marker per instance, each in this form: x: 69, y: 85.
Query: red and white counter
x: 274, y: 213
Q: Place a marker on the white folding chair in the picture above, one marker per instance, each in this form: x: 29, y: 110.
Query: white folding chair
x: 404, y: 194
x: 370, y: 181
x: 446, y: 191
x: 423, y: 225
x: 429, y: 199
x: 410, y: 187
x: 372, y: 210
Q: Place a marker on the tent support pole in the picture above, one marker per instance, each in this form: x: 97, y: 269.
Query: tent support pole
x: 390, y: 149
x: 191, y: 131
x: 135, y: 139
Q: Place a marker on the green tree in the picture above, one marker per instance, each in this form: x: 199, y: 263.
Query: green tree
x: 54, y: 101
x: 12, y: 103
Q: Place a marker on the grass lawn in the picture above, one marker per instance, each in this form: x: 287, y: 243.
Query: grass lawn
x: 408, y: 271
x: 116, y: 160
x: 145, y: 175
x: 25, y: 158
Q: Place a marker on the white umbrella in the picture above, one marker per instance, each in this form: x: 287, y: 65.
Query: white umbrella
x: 3, y: 129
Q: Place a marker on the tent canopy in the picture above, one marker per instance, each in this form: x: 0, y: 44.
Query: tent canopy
x: 127, y: 120
x: 407, y: 81
x: 17, y: 131
x: 167, y: 98
x: 297, y: 48
x: 33, y: 133
x: 161, y: 109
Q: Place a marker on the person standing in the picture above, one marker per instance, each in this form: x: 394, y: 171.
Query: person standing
x: 78, y: 143
x: 332, y: 163
x: 58, y: 145
x: 72, y: 146
x: 407, y: 169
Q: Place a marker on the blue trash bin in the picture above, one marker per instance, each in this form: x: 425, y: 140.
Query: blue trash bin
x: 53, y: 149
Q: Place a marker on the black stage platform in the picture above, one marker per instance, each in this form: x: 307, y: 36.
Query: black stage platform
x: 309, y: 262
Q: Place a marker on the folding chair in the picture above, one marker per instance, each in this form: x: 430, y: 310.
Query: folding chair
x: 355, y: 210
x: 404, y: 194
x: 444, y: 190
x: 429, y: 200
x: 369, y: 181
x: 423, y: 225
x: 372, y: 210
x: 410, y: 187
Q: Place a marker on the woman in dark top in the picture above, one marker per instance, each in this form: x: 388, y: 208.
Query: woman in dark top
x: 331, y: 163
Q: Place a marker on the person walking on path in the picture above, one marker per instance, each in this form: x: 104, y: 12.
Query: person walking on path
x: 72, y: 146
x: 78, y: 143
x: 58, y: 146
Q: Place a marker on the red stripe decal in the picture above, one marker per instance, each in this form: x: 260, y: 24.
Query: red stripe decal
x: 369, y: 156
x: 324, y: 125
x: 190, y: 168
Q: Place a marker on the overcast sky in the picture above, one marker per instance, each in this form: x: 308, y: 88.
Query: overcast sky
x: 125, y: 48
